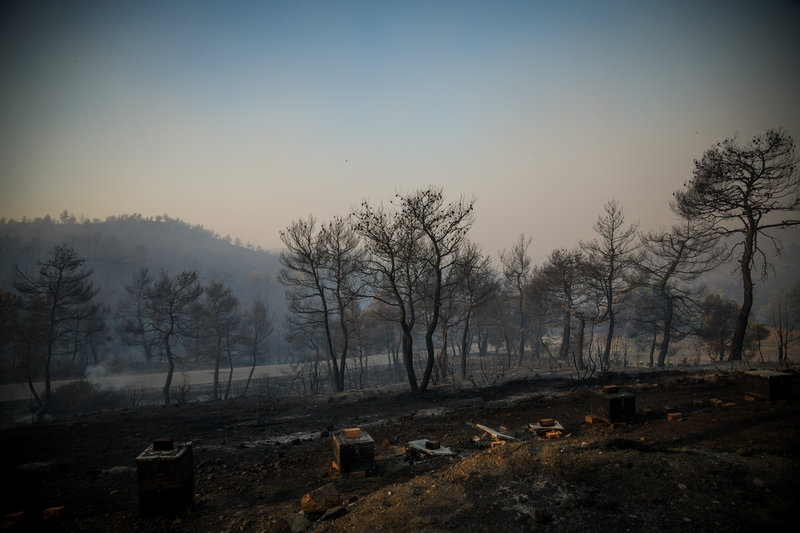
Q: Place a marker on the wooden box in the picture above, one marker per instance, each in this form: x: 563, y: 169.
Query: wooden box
x: 353, y: 451
x: 166, y: 477
x: 768, y: 385
x: 612, y: 406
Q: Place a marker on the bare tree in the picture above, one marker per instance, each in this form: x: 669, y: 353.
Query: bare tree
x: 516, y: 272
x: 476, y: 285
x: 132, y: 315
x: 560, y: 274
x: 256, y: 329
x: 613, y: 256
x: 740, y: 190
x: 444, y: 227
x: 394, y: 263
x: 322, y: 270
x: 221, y: 310
x: 673, y: 259
x: 168, y: 315
x: 63, y: 289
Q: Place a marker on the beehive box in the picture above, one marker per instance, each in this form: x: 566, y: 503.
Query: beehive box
x: 768, y: 385
x: 612, y: 405
x: 353, y: 451
x: 165, y: 472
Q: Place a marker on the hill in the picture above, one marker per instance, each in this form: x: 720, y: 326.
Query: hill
x: 119, y: 246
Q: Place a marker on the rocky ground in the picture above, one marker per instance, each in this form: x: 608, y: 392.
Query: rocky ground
x: 728, y: 465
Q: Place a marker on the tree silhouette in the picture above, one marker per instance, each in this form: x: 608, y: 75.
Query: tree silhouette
x: 63, y: 293
x: 739, y: 190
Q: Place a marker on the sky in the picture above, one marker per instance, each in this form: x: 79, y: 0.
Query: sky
x: 245, y: 116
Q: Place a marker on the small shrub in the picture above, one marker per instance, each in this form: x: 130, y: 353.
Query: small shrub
x: 82, y: 396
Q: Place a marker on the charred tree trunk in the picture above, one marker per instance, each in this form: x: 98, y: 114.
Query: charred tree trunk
x: 563, y: 352
x: 579, y: 364
x: 408, y: 359
x: 668, y: 313
x: 737, y: 342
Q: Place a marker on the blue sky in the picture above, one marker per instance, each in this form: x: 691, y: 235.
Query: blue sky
x: 244, y: 116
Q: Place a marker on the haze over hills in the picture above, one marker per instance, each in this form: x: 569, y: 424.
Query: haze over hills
x: 119, y: 246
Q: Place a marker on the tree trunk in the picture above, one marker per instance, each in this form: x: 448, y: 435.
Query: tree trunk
x: 563, y: 352
x: 408, y: 359
x: 737, y: 342
x: 662, y: 353
x: 465, y: 336
x: 442, y: 358
x: 653, y: 342
x: 216, y: 394
x: 250, y: 375
x: 579, y: 364
x: 170, y: 369
x: 45, y: 401
x: 230, y: 374
x: 437, y: 302
x: 609, y: 338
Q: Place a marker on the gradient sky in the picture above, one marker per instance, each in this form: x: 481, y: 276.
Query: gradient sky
x: 244, y: 116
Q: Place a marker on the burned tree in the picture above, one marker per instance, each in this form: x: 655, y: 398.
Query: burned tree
x: 444, y: 227
x: 322, y: 269
x: 221, y: 313
x: 673, y: 259
x: 741, y: 190
x: 132, y: 315
x: 394, y: 264
x: 613, y: 256
x: 476, y: 285
x: 256, y: 329
x: 559, y: 276
x: 168, y: 314
x: 62, y: 292
x: 516, y: 273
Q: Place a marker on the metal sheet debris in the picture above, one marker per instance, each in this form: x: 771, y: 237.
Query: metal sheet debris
x: 424, y: 446
x: 496, y: 435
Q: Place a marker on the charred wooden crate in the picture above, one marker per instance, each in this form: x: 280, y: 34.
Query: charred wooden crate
x: 353, y: 451
x: 768, y: 385
x: 612, y: 405
x: 165, y: 471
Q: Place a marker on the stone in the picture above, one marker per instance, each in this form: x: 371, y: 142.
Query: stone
x: 296, y: 523
x: 321, y: 499
x: 334, y: 512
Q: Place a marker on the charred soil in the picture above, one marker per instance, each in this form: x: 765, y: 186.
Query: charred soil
x: 727, y: 465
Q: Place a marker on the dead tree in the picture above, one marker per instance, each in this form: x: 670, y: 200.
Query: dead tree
x: 742, y: 191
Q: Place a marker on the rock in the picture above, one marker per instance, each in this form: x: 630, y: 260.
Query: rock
x: 291, y: 523
x: 744, y: 452
x: 321, y: 499
x: 681, y: 486
x: 334, y: 512
x: 758, y: 482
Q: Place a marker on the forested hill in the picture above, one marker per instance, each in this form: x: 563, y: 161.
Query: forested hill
x: 119, y: 246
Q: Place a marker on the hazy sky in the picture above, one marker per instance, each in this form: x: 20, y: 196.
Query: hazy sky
x: 244, y: 116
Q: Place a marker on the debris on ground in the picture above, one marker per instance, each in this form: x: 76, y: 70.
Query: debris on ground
x: 430, y: 447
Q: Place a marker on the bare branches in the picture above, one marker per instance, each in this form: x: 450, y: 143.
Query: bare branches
x: 738, y: 189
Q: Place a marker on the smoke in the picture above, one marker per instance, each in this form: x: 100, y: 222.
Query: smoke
x: 96, y: 374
